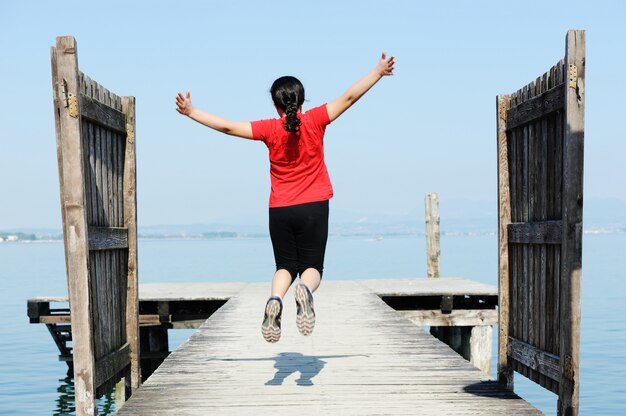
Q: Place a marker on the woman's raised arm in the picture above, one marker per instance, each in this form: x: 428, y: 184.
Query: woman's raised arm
x: 233, y: 128
x: 336, y: 107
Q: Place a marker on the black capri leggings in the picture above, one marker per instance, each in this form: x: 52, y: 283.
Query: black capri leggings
x: 299, y: 234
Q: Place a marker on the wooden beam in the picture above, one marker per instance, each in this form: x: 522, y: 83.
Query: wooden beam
x: 541, y: 232
x: 505, y: 371
x: 107, y: 238
x: 532, y: 357
x: 102, y: 114
x: 571, y: 251
x: 537, y: 107
x: 457, y: 317
x: 130, y: 222
x: 112, y: 364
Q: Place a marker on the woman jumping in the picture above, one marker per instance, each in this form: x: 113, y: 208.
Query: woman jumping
x: 301, y: 188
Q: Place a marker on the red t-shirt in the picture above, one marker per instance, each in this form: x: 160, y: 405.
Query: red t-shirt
x: 297, y: 169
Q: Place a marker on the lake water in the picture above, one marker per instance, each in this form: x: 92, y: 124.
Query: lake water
x: 34, y: 382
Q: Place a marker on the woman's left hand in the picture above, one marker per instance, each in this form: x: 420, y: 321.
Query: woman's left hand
x: 385, y: 66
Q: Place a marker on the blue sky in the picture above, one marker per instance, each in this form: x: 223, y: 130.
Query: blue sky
x: 431, y: 127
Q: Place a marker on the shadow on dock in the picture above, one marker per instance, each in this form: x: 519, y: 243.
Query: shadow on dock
x: 288, y: 363
x: 489, y: 388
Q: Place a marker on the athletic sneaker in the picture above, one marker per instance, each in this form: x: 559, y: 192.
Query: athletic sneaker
x: 271, y: 321
x: 305, y: 321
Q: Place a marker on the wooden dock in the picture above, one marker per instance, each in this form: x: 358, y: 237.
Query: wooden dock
x: 363, y: 358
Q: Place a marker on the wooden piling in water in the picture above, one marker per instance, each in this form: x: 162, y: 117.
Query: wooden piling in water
x: 471, y: 339
x: 433, y: 249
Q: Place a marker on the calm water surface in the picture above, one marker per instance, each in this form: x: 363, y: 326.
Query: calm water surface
x: 34, y: 382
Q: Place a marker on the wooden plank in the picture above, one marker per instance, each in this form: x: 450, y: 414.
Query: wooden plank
x: 91, y: 138
x: 102, y: 114
x: 536, y: 107
x: 433, y: 249
x: 75, y: 228
x: 144, y: 319
x: 534, y: 319
x: 505, y: 372
x: 532, y: 357
x: 538, y: 232
x: 86, y: 169
x: 111, y: 364
x: 130, y: 222
x: 59, y: 105
x: 457, y: 317
x: 542, y: 212
x: 107, y: 238
x: 448, y: 286
x: 571, y: 272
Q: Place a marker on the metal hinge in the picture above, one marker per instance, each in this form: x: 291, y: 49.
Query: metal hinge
x: 73, y: 105
x: 572, y: 76
x: 71, y: 101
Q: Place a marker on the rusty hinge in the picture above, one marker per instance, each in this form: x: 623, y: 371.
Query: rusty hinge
x: 572, y: 73
x: 130, y: 133
x: 71, y: 101
x: 73, y: 105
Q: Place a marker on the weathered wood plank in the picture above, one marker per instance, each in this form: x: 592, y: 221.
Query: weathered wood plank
x: 539, y: 232
x: 505, y: 372
x: 58, y: 91
x: 130, y: 222
x: 457, y: 317
x: 107, y: 238
x: 450, y: 286
x: 571, y: 271
x: 102, y: 114
x: 112, y: 363
x: 532, y: 357
x: 536, y: 107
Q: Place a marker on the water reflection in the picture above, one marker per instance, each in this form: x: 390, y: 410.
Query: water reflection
x: 66, y: 404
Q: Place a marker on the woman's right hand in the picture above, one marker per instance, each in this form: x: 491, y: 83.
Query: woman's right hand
x: 183, y: 103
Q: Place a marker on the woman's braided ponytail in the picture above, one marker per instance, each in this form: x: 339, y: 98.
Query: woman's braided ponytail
x: 288, y: 95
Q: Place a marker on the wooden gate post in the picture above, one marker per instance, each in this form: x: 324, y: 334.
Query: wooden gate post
x: 571, y: 251
x: 505, y: 372
x: 130, y: 222
x: 65, y: 83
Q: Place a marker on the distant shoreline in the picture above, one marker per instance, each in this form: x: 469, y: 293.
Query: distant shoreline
x: 236, y: 236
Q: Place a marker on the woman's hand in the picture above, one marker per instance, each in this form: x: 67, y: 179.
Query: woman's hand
x: 385, y: 66
x: 183, y: 104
